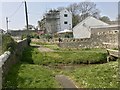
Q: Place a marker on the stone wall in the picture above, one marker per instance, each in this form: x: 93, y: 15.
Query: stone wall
x: 8, y: 59
x: 96, y: 41
x: 21, y: 32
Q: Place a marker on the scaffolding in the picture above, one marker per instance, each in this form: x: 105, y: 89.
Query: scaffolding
x: 52, y: 22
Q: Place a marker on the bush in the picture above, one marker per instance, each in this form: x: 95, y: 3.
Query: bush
x: 23, y: 36
x: 8, y: 43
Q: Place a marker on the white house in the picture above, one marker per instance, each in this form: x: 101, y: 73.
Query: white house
x: 57, y: 20
x: 65, y: 20
x: 83, y: 29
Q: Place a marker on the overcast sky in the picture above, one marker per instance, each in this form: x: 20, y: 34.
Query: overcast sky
x: 37, y: 9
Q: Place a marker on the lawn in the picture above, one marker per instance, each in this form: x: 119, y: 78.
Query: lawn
x: 95, y: 76
x: 30, y: 76
x: 33, y: 73
x: 33, y: 55
x: 57, y: 48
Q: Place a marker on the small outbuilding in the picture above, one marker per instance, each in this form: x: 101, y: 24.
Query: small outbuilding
x: 65, y: 33
x: 83, y: 29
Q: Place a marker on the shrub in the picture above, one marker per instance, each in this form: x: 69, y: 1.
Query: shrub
x: 8, y: 43
x: 23, y: 36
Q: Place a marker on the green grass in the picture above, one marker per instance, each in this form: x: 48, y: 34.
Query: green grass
x: 57, y: 48
x: 42, y: 43
x: 96, y: 76
x: 30, y: 76
x: 32, y: 55
x: 54, y: 47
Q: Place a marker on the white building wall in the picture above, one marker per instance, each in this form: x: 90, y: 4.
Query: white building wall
x: 67, y: 19
x: 83, y: 33
x: 82, y: 30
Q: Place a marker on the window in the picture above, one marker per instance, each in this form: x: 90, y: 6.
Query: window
x: 65, y: 15
x: 65, y: 22
x: 116, y: 31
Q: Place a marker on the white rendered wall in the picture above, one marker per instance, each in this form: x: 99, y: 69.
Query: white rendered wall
x: 82, y: 30
x: 63, y: 19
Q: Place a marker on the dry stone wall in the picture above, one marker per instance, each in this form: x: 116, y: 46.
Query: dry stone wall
x: 8, y: 59
x: 96, y: 41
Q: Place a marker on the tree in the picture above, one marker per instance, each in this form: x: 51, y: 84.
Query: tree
x: 73, y: 8
x: 75, y: 20
x: 39, y: 24
x: 105, y: 19
x: 88, y: 9
x: 82, y: 10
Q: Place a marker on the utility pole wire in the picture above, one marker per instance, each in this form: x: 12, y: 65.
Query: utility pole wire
x: 15, y: 11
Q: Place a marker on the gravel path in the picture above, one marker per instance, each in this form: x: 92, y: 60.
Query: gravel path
x: 65, y: 82
x: 41, y: 48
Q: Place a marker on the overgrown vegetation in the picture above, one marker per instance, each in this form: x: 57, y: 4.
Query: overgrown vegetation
x: 8, y: 43
x: 30, y: 76
x: 37, y: 69
x: 26, y: 74
x: 96, y: 76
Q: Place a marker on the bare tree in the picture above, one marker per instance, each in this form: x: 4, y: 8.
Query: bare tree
x: 88, y: 9
x: 82, y: 10
x: 73, y: 8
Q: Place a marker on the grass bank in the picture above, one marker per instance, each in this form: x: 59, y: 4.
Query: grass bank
x: 33, y: 73
x: 30, y: 76
x: 33, y: 55
x: 26, y: 74
x: 95, y: 76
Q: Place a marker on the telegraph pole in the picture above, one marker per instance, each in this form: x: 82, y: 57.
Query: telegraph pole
x: 26, y: 15
x: 7, y: 24
x: 28, y: 37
